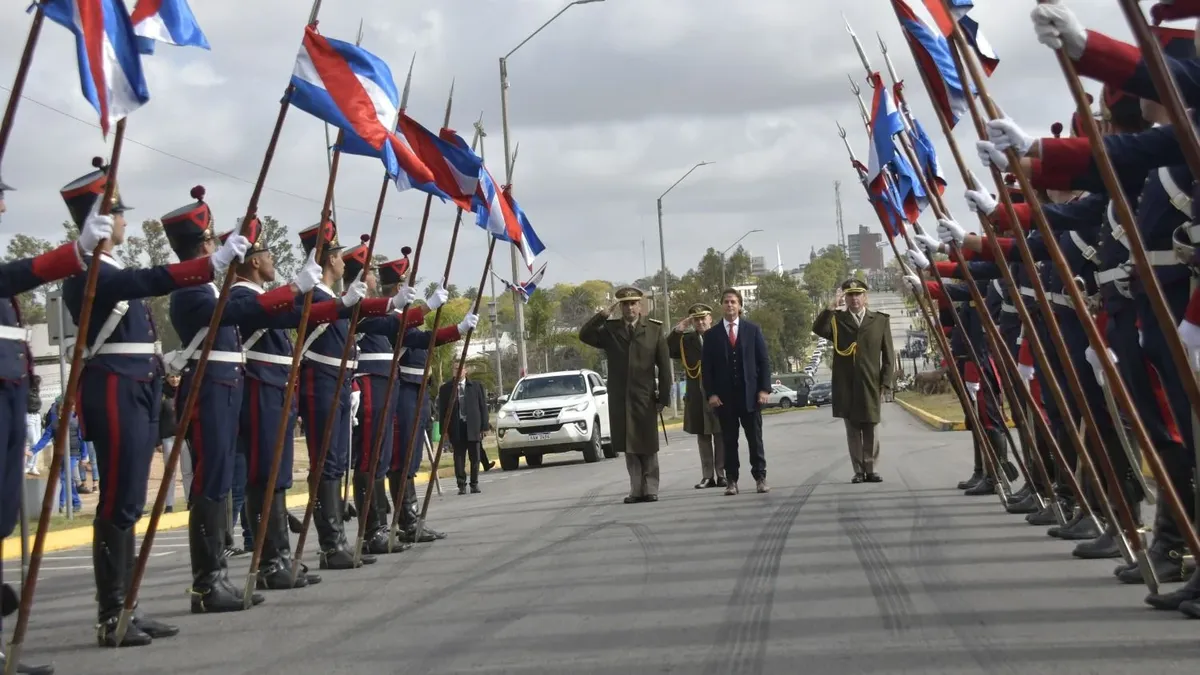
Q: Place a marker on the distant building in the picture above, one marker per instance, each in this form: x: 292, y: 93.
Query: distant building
x: 758, y: 265
x: 863, y: 249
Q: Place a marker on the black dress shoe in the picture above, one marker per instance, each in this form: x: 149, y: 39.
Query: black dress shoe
x: 632, y: 500
x: 873, y: 477
x: 26, y: 669
x: 462, y: 489
x: 1082, y: 530
x: 1042, y: 518
x: 474, y: 489
x: 721, y: 482
x: 650, y: 498
x: 706, y: 483
x: 106, y: 635
x: 858, y: 478
x: 1027, y: 505
x: 154, y: 628
x: 1170, y: 602
x: 987, y: 486
x: 1019, y: 495
x: 1166, y: 563
x: 971, y: 482
x: 1102, y: 547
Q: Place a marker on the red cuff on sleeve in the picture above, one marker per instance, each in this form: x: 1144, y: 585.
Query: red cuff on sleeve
x: 446, y: 335
x: 1045, y: 180
x: 375, y: 306
x: 415, y: 316
x: 59, y: 263
x: 1025, y: 355
x: 326, y: 311
x: 989, y: 254
x: 1065, y: 157
x: 971, y: 373
x: 947, y: 331
x: 278, y: 301
x: 191, y: 272
x: 947, y: 268
x: 935, y: 292
x: 1024, y: 217
x: 1110, y: 61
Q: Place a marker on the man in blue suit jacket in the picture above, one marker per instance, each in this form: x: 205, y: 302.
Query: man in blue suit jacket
x: 737, y: 377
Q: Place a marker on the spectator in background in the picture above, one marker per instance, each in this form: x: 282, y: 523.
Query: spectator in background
x: 75, y: 450
x: 166, y: 435
x: 467, y: 426
x: 33, y: 424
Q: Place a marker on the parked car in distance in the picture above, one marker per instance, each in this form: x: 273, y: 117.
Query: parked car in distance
x: 821, y: 393
x: 551, y: 413
x: 782, y: 397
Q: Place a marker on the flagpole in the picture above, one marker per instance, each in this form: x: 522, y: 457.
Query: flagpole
x: 14, y: 97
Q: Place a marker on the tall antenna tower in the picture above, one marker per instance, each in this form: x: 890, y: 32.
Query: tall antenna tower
x: 841, y: 227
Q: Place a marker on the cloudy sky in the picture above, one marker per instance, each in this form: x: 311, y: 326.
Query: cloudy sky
x: 611, y: 105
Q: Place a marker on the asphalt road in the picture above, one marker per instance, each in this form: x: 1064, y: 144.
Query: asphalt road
x: 548, y: 572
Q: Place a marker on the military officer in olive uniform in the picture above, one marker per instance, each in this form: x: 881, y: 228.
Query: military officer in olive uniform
x: 863, y: 365
x: 686, y: 343
x: 635, y: 347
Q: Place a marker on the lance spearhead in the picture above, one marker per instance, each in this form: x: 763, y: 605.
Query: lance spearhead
x: 858, y: 46
x: 862, y: 107
x: 888, y: 60
x: 407, y: 84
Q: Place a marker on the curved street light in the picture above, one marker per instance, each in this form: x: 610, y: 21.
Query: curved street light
x: 518, y: 306
x: 727, y: 251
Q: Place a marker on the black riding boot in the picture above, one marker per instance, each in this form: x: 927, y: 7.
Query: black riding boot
x: 409, y: 515
x: 331, y: 533
x: 211, y: 591
x: 272, y: 574
x: 375, y: 537
x: 977, y: 474
x: 152, y: 627
x: 1107, y: 545
x: 110, y: 552
x: 1000, y: 444
x: 1165, y: 552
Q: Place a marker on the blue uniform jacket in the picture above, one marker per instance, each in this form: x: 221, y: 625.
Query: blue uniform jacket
x: 17, y: 277
x: 118, y: 284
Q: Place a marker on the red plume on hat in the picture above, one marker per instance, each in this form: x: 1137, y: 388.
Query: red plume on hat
x: 1056, y: 129
x: 1177, y: 9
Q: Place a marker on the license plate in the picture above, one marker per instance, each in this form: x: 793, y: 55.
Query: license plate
x: 539, y: 437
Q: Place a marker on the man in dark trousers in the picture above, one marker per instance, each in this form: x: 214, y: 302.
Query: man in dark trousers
x: 467, y: 426
x: 737, y: 378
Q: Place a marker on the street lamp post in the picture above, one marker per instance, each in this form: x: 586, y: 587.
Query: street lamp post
x: 723, y: 286
x: 518, y: 307
x: 662, y: 252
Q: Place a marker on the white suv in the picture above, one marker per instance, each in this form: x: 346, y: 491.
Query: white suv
x: 554, y: 412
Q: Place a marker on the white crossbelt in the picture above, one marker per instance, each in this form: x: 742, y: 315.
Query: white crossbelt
x: 376, y: 356
x: 14, y: 333
x: 128, y: 349
x: 1179, y: 199
x: 1005, y: 307
x: 263, y: 357
x: 405, y: 370
x: 1088, y: 251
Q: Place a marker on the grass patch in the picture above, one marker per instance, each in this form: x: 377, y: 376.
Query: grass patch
x: 945, y: 405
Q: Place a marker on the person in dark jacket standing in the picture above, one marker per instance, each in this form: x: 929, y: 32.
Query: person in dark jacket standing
x: 467, y: 426
x: 737, y: 379
x: 166, y: 433
x: 686, y: 343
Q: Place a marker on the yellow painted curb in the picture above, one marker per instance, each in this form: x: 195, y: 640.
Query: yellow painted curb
x: 929, y: 419
x: 75, y: 537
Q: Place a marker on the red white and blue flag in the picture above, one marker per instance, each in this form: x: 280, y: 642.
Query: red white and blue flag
x: 167, y: 21
x: 932, y: 54
x: 525, y: 289
x: 352, y: 89
x: 957, y: 13
x: 110, y: 66
x: 885, y: 124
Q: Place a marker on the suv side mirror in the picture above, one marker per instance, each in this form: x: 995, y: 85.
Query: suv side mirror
x: 599, y: 390
x: 502, y: 399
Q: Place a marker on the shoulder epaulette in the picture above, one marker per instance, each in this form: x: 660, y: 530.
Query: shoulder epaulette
x: 655, y: 321
x: 884, y: 314
x: 614, y: 318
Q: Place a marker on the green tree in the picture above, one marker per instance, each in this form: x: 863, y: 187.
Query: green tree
x: 445, y: 357
x: 32, y: 305
x: 283, y: 250
x: 785, y: 313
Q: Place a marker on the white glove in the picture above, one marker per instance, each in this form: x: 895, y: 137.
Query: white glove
x: 234, y: 247
x: 403, y: 297
x: 468, y: 323
x: 1189, y: 333
x: 914, y: 283
x: 310, y: 275
x: 1005, y: 134
x: 990, y: 155
x: 950, y: 231
x: 1026, y: 372
x: 917, y: 259
x: 355, y: 402
x: 1057, y: 27
x: 981, y: 202
x: 437, y: 298
x: 95, y: 228
x: 972, y: 390
x: 354, y: 294
x: 928, y: 243
x: 1094, y: 359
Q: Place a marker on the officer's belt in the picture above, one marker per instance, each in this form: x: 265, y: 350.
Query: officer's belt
x: 128, y: 349
x: 1061, y: 299
x: 1027, y: 291
x: 107, y: 329
x: 14, y: 333
x: 223, y: 357
x: 408, y: 370
x: 329, y: 360
x: 263, y: 357
x: 1110, y: 275
x: 375, y: 356
x: 1006, y: 307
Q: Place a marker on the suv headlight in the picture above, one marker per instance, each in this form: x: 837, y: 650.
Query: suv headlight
x: 578, y: 407
x: 502, y: 414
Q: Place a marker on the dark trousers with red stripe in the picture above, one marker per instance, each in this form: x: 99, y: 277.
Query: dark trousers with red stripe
x: 14, y: 397
x: 1155, y: 345
x: 262, y: 408
x: 120, y: 418
x: 212, y: 434
x: 317, y: 396
x: 408, y: 415
x: 374, y: 415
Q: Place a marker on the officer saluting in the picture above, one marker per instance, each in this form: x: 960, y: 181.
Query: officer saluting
x: 16, y: 366
x: 635, y: 346
x: 863, y: 364
x: 268, y: 351
x: 686, y: 343
x: 120, y: 391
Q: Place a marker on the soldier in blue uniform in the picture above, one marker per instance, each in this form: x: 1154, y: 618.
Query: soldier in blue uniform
x: 213, y: 429
x: 268, y: 351
x: 375, y: 411
x: 322, y: 357
x: 412, y: 413
x: 16, y: 368
x: 120, y: 391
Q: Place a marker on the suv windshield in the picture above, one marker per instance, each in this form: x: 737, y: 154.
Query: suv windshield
x: 550, y: 386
